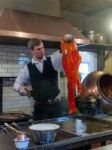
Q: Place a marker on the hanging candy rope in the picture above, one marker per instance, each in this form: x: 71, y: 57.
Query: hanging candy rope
x: 71, y: 61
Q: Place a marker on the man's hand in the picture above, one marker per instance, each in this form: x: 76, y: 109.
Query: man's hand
x: 24, y: 91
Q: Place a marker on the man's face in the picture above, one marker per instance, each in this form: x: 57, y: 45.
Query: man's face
x: 38, y: 51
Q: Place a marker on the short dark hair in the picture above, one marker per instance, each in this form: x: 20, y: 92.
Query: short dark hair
x: 34, y: 42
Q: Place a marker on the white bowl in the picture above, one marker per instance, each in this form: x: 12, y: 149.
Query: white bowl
x: 21, y: 144
x: 44, y: 126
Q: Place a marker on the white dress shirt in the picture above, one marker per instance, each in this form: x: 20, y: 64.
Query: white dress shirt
x: 24, y: 77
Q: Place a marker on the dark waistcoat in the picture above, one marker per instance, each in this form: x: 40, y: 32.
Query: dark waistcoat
x: 44, y: 85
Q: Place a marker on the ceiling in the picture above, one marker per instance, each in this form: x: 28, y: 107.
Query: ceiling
x: 87, y: 7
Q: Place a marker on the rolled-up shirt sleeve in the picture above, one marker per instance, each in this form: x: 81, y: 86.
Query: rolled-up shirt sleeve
x: 22, y: 79
x: 57, y: 61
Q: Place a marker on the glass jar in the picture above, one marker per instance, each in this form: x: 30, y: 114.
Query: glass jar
x: 91, y: 36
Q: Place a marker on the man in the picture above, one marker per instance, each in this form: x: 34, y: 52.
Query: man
x: 42, y: 73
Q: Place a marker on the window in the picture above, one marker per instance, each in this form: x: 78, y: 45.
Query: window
x: 83, y: 70
x: 88, y: 63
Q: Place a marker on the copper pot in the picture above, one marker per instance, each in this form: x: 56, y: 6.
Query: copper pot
x: 98, y: 84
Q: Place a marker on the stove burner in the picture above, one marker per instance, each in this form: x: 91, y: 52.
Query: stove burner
x: 14, y: 117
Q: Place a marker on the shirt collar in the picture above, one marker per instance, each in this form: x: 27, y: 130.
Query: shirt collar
x: 36, y: 61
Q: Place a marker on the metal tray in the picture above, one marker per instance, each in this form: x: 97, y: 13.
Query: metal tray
x: 85, y: 125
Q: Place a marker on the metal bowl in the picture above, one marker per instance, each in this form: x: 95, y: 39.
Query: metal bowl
x: 44, y: 133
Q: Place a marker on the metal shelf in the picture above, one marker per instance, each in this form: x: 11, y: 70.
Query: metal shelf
x: 94, y: 47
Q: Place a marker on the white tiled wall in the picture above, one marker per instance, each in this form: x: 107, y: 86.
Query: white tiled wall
x: 9, y: 60
x: 10, y: 67
x: 12, y: 101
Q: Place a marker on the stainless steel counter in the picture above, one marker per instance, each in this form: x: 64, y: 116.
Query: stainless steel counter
x: 76, y: 132
x: 107, y: 147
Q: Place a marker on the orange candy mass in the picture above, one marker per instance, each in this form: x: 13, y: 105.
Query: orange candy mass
x: 70, y: 62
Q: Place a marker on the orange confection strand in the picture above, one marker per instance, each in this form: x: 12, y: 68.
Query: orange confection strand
x: 71, y: 61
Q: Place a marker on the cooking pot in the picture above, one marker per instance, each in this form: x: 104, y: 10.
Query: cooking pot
x: 98, y: 84
x: 44, y: 132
